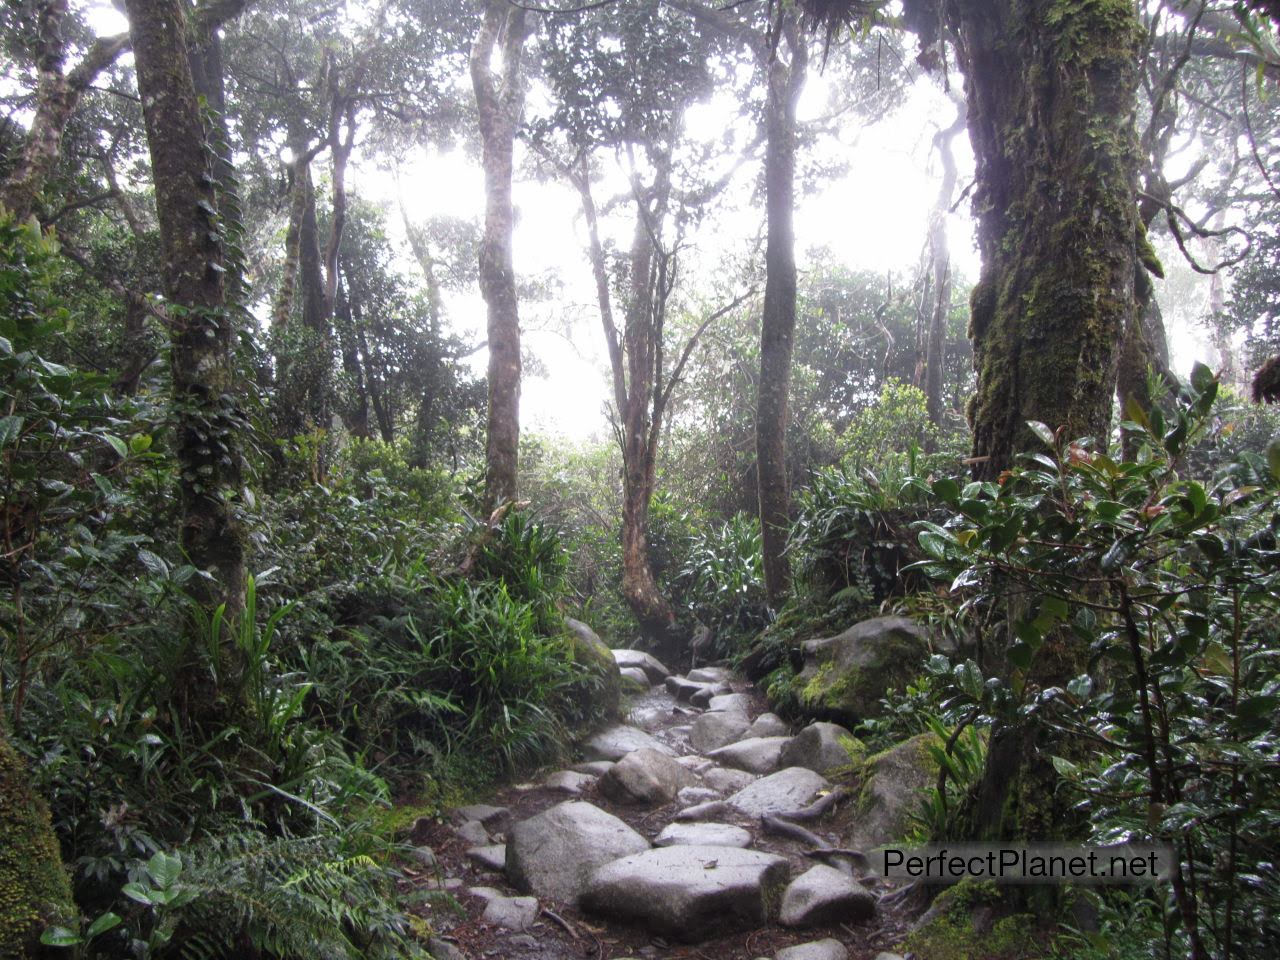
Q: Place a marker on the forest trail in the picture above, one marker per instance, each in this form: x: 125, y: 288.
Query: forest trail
x: 703, y: 878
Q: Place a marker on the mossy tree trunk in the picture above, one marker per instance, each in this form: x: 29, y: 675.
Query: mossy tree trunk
x: 1050, y: 86
x: 778, y: 321
x: 1051, y: 93
x: 208, y: 422
x: 34, y: 889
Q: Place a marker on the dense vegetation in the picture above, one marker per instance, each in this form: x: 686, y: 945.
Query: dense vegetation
x: 277, y: 563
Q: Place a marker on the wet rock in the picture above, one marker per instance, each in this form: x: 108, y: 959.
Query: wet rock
x: 769, y: 725
x: 757, y: 755
x: 570, y: 782
x: 682, y: 689
x: 845, y: 676
x: 594, y: 768
x: 702, y: 834
x: 645, y: 776
x: 703, y: 697
x: 727, y: 780
x: 492, y: 856
x: 444, y: 950
x: 651, y: 665
x: 554, y: 853
x: 636, y: 678
x: 694, y: 763
x: 817, y: 950
x: 473, y: 832
x: 786, y: 790
x: 892, y: 784
x: 514, y: 913
x: 688, y: 796
x: 494, y: 818
x: 614, y: 743
x: 717, y: 729
x: 709, y: 675
x: 825, y: 895
x: 690, y: 892
x: 425, y: 856
x: 738, y: 703
x: 602, y: 692
x: 822, y: 747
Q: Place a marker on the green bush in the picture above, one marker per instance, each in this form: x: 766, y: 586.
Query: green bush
x: 720, y: 581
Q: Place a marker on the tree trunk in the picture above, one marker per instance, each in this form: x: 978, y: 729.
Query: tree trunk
x: 940, y: 260
x: 57, y: 96
x: 34, y: 890
x: 208, y: 421
x: 499, y: 100
x: 1050, y: 91
x: 1051, y: 100
x: 778, y: 322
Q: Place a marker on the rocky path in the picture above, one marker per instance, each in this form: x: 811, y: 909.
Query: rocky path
x: 670, y: 838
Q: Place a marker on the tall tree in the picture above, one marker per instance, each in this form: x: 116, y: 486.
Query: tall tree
x: 499, y: 101
x: 195, y: 266
x: 940, y: 265
x: 778, y: 322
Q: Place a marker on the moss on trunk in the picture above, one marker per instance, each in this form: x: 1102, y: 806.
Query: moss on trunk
x: 34, y: 890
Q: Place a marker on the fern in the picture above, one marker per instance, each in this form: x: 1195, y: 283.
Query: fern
x: 287, y: 897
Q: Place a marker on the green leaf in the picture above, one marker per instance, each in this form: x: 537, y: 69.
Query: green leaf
x: 140, y: 443
x: 1020, y: 655
x: 1043, y: 432
x: 117, y: 445
x: 60, y: 937
x: 1273, y: 458
x: 164, y: 869
x: 946, y: 490
x: 155, y: 565
x: 136, y: 891
x: 1065, y: 767
x: 108, y: 921
x: 1202, y: 377
x: 10, y: 429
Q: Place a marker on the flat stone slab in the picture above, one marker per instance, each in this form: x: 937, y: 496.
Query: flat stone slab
x: 769, y: 725
x: 615, y: 742
x: 717, y: 729
x: 825, y: 895
x: 705, y: 811
x: 689, y: 893
x: 554, y: 853
x: 493, y: 856
x: 702, y: 834
x: 683, y: 690
x: 645, y: 776
x: 757, y: 755
x: 709, y: 675
x: 817, y: 950
x: 514, y: 913
x: 473, y: 832
x: 688, y: 796
x: 786, y: 790
x: 730, y: 703
x: 727, y: 780
x: 570, y: 782
x: 485, y: 813
x: 654, y: 668
x: 703, y: 697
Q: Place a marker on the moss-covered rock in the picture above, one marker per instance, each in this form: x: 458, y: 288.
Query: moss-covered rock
x: 34, y: 889
x: 603, y: 689
x: 845, y: 676
x: 965, y: 924
x: 894, y: 782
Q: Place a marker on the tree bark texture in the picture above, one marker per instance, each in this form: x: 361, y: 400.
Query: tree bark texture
x: 940, y: 260
x: 499, y: 99
x: 194, y: 266
x: 57, y: 96
x: 1050, y: 89
x: 778, y: 321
